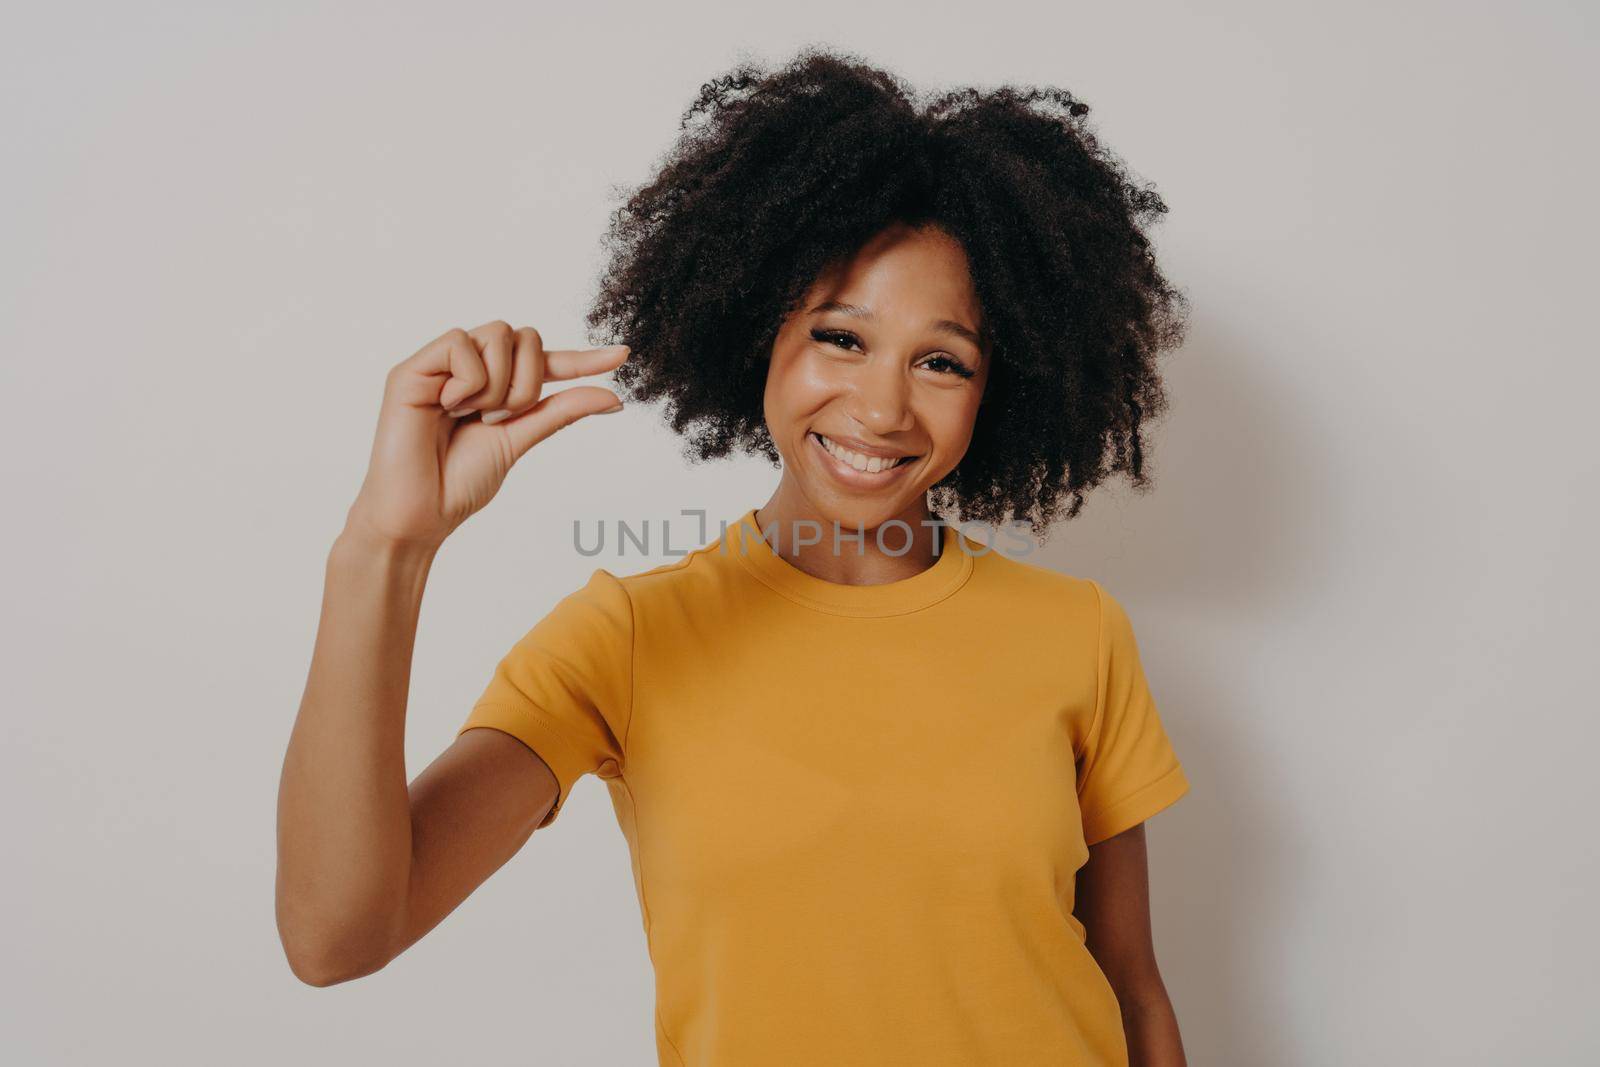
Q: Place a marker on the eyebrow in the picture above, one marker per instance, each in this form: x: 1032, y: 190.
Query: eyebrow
x: 941, y: 325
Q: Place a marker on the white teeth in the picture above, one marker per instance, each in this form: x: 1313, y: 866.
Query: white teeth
x: 864, y: 463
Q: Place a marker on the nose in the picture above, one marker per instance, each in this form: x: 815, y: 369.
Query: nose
x: 880, y: 400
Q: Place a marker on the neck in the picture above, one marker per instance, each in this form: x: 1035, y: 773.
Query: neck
x: 805, y: 537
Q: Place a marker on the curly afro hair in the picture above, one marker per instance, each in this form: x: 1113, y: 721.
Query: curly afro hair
x: 778, y: 174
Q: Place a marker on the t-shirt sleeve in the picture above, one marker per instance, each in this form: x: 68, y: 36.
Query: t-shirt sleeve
x: 1127, y: 769
x: 565, y: 689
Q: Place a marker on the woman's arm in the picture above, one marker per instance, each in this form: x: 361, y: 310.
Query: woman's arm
x: 366, y: 864
x: 1113, y: 903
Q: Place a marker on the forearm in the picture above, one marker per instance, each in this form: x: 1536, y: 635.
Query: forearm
x: 344, y: 824
x: 1151, y: 1026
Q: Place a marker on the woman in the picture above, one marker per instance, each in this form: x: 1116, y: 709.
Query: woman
x: 884, y: 790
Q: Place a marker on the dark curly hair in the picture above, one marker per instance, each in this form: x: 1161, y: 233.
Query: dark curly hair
x: 779, y: 174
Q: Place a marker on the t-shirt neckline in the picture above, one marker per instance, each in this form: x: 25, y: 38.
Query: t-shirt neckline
x: 949, y: 572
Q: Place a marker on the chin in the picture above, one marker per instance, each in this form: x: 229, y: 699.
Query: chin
x: 867, y: 513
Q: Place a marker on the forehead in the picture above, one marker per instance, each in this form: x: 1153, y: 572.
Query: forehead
x: 903, y: 273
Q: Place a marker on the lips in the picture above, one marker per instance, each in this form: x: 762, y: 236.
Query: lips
x: 854, y: 476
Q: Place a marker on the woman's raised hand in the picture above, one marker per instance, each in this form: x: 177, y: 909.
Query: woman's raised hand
x: 458, y: 414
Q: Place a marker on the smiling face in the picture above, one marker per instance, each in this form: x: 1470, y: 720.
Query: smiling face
x: 875, y: 380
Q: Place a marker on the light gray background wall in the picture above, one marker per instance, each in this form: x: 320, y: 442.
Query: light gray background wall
x: 1364, y: 586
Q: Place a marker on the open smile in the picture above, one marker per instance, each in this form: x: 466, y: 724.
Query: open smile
x: 856, y: 469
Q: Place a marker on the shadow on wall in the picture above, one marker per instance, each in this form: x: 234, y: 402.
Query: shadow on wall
x: 1221, y: 543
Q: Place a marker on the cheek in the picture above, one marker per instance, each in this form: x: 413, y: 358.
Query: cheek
x: 796, y: 387
x: 951, y: 424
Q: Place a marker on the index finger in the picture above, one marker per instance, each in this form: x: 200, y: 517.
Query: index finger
x: 563, y: 364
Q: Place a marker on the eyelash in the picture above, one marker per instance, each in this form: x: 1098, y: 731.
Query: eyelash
x: 832, y: 336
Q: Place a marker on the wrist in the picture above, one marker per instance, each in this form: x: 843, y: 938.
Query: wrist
x: 360, y: 540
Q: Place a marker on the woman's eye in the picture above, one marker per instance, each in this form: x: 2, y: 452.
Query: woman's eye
x: 841, y: 338
x: 847, y: 340
x: 946, y: 365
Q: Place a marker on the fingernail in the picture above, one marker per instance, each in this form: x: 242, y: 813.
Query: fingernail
x: 498, y: 415
x: 609, y: 410
x: 456, y: 413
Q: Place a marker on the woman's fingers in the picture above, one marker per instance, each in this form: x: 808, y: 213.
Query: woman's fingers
x: 494, y: 341
x: 451, y: 357
x: 564, y: 364
x: 493, y: 369
x: 555, y: 411
x: 527, y: 377
x: 553, y: 365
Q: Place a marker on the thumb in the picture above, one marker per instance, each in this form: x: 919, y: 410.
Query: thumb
x: 555, y: 411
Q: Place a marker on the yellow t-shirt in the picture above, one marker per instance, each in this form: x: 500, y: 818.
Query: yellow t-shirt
x: 855, y: 813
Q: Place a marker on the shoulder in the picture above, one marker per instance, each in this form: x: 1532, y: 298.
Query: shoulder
x: 1080, y: 597
x: 1026, y: 585
x: 698, y: 575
